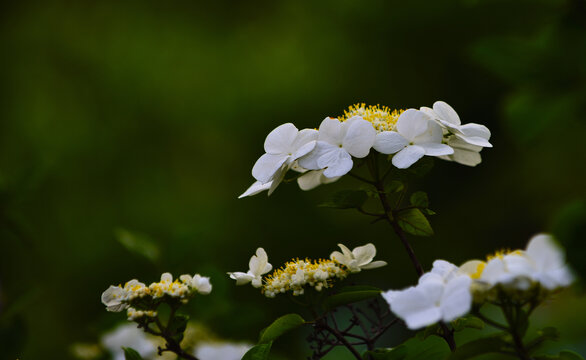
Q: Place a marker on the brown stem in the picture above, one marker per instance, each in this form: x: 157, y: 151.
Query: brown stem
x: 342, y: 339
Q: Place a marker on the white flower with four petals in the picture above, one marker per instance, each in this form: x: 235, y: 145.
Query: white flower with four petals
x: 258, y: 266
x: 360, y: 258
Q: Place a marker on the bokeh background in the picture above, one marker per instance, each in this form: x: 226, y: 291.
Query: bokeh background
x: 139, y: 121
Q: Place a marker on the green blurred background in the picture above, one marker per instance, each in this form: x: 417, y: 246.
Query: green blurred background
x: 142, y: 119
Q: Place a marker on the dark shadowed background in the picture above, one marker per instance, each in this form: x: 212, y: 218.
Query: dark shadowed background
x: 121, y: 121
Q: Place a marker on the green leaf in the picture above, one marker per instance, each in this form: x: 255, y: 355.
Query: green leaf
x: 419, y: 199
x: 138, y: 244
x: 468, y: 322
x: 394, y: 186
x: 177, y: 327
x: 349, y: 297
x: 347, y: 199
x: 396, y: 353
x: 564, y: 355
x: 480, y: 346
x: 280, y: 326
x: 414, y: 222
x: 131, y: 354
x: 258, y: 352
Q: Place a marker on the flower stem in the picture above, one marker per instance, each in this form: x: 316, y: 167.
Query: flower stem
x: 511, y: 315
x: 378, y: 183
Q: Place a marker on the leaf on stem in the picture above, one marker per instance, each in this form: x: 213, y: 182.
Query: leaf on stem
x: 258, y: 352
x: 131, y: 354
x: 492, y: 344
x: 280, y: 326
x: 176, y: 327
x: 414, y: 222
x: 351, y: 294
x: 347, y: 199
x: 470, y: 322
x: 419, y: 199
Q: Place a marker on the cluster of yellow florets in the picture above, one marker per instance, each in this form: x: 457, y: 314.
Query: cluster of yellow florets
x: 134, y: 314
x: 296, y: 274
x: 381, y: 117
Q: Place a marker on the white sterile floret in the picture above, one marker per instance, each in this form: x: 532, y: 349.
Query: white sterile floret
x: 549, y: 264
x: 283, y: 146
x: 198, y: 283
x: 337, y: 142
x: 417, y: 135
x: 442, y: 294
x: 467, y: 140
x: 314, y: 178
x: 128, y: 336
x: 116, y: 298
x: 358, y: 259
x: 542, y: 262
x: 258, y: 266
x: 221, y: 351
x: 258, y: 187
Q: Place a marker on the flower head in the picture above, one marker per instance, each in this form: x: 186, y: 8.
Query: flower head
x: 221, y: 350
x: 258, y: 266
x: 358, y: 259
x: 296, y: 274
x: 440, y: 295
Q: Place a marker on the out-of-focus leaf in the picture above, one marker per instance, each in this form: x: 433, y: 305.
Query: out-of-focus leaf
x: 419, y: 199
x: 177, y: 326
x: 480, y: 346
x: 347, y: 199
x: 131, y: 354
x: 258, y: 352
x: 414, y: 222
x: 280, y: 326
x: 349, y: 297
x: 138, y: 243
x: 394, y: 186
x: 564, y: 355
x: 396, y: 353
x: 468, y: 322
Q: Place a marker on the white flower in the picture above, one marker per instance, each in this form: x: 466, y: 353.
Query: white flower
x: 337, y: 142
x: 441, y: 295
x: 548, y: 260
x: 417, y: 135
x: 446, y: 116
x: 314, y: 178
x: 466, y: 140
x: 199, y: 283
x: 258, y: 265
x: 258, y: 187
x: 283, y: 146
x: 221, y: 351
x: 128, y: 336
x: 358, y: 259
x: 114, y: 298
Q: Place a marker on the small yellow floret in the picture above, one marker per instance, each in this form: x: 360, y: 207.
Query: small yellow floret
x: 502, y: 253
x: 381, y: 117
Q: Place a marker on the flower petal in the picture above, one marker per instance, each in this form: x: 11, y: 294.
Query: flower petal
x: 359, y: 138
x: 446, y: 112
x: 256, y: 188
x: 389, y: 142
x: 336, y: 161
x: 374, y: 265
x: 331, y: 131
x: 413, y: 306
x: 310, y: 161
x: 408, y: 156
x: 364, y: 254
x: 457, y: 298
x: 267, y: 165
x: 412, y: 123
x: 303, y: 137
x: 280, y: 139
x: 434, y: 149
x: 241, y: 278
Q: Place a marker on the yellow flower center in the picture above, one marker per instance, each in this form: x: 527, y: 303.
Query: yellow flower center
x: 381, y: 117
x: 502, y: 253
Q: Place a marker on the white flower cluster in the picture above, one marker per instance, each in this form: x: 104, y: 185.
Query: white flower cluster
x: 297, y: 274
x: 448, y: 291
x: 324, y: 155
x: 141, y: 300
